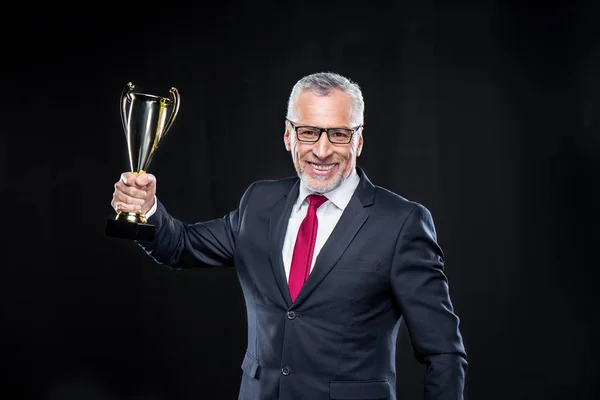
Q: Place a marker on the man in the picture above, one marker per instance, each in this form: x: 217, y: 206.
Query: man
x: 328, y: 263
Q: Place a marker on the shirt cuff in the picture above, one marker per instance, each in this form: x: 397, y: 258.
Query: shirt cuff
x: 153, y: 209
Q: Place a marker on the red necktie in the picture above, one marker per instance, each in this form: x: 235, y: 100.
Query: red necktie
x: 305, y: 246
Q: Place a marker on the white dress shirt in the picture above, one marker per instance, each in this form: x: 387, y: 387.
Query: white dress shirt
x: 153, y: 209
x: 328, y: 215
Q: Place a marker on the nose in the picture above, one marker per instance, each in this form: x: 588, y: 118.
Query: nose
x: 323, y: 147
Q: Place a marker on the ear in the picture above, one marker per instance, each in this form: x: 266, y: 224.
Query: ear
x: 286, y: 140
x: 360, y: 145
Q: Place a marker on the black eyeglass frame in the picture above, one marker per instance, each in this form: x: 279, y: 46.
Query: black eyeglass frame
x: 326, y: 130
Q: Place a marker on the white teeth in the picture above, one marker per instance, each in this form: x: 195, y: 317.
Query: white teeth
x: 319, y: 167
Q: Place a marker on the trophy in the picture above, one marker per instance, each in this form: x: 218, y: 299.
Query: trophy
x: 146, y: 120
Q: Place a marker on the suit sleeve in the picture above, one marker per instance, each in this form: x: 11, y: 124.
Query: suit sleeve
x: 421, y: 289
x: 202, y: 244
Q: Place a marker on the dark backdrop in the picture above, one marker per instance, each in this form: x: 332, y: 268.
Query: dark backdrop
x: 486, y: 114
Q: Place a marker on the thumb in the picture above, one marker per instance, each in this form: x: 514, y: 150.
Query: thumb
x: 145, y: 179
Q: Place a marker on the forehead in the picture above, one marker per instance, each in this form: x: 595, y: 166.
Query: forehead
x: 324, y: 111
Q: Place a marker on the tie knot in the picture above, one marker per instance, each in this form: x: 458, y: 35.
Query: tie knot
x: 316, y: 200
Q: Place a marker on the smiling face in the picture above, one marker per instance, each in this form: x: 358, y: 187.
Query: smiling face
x: 323, y: 166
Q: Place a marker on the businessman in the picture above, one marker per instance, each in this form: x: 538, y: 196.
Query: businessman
x: 328, y: 263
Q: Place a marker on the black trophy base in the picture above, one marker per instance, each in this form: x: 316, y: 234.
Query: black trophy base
x: 129, y: 230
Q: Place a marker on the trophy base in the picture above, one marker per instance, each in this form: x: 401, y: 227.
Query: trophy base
x: 124, y: 229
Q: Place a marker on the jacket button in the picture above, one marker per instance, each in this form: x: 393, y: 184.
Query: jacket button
x: 291, y: 314
x: 286, y: 370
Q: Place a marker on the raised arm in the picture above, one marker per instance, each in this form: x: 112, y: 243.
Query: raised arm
x: 177, y: 244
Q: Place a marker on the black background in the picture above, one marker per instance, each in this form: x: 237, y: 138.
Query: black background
x: 486, y: 113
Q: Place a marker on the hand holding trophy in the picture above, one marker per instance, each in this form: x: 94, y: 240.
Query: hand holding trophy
x: 146, y: 120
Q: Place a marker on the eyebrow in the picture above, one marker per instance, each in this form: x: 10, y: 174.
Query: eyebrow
x: 319, y: 127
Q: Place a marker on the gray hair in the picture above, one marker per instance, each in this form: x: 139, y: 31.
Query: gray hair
x: 322, y: 84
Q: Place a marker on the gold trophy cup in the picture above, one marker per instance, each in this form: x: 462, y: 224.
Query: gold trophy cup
x: 146, y: 120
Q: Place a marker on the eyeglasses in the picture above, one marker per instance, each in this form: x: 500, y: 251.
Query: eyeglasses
x: 312, y: 134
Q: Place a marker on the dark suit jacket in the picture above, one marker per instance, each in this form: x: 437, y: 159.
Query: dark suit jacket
x: 337, y: 340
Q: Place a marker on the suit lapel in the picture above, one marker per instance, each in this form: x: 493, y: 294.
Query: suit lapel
x: 352, y: 219
x: 277, y: 230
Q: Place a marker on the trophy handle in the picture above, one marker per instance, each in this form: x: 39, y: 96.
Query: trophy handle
x: 124, y: 100
x: 175, y: 99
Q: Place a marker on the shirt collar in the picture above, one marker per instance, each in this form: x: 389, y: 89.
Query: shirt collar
x: 340, y: 196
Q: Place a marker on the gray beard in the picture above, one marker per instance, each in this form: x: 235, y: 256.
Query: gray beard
x: 321, y: 189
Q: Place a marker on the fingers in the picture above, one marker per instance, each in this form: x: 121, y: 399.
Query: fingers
x: 128, y: 178
x: 124, y: 207
x: 124, y: 202
x: 129, y: 195
x: 145, y: 179
x: 134, y: 193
